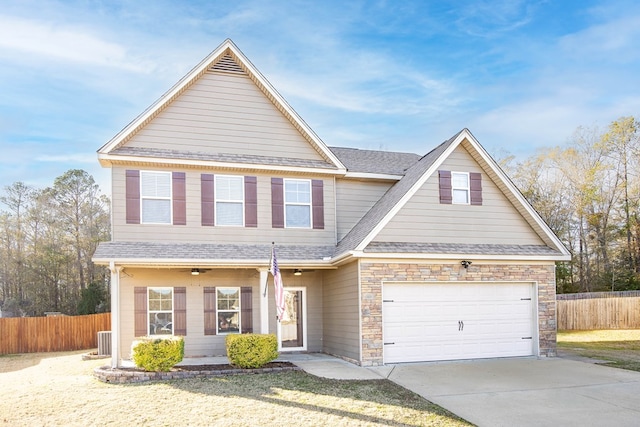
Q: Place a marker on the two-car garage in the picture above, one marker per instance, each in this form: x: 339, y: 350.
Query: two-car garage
x: 430, y: 321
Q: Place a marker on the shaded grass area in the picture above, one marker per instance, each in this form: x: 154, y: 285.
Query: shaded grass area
x: 616, y: 348
x: 60, y: 390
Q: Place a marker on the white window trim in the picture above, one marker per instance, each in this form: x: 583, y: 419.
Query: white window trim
x: 239, y: 310
x: 170, y: 198
x: 467, y: 188
x: 149, y: 311
x: 310, y: 203
x: 216, y: 199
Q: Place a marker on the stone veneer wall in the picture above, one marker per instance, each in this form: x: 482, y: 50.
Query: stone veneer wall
x: 372, y: 275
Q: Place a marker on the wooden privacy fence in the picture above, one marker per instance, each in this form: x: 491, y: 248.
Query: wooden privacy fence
x: 45, y: 334
x: 599, y: 310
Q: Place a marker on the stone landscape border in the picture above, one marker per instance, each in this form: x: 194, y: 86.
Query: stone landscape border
x: 110, y: 375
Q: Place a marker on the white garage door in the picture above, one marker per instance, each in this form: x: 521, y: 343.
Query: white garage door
x: 438, y: 321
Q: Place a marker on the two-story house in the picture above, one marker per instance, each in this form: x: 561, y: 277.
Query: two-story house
x: 386, y: 257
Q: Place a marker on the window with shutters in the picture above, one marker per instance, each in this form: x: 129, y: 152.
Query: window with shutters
x: 160, y: 303
x: 460, y: 188
x: 155, y: 197
x: 297, y: 203
x: 228, y: 310
x: 229, y: 200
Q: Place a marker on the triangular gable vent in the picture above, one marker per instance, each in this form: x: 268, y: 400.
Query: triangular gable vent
x: 226, y: 64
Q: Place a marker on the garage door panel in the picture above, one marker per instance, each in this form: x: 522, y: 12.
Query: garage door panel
x: 431, y: 321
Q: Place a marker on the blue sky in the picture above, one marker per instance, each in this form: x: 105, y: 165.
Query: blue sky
x: 385, y: 75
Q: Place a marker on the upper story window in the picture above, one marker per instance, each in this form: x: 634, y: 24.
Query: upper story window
x: 229, y: 195
x: 229, y: 200
x: 297, y: 202
x: 155, y: 196
x: 460, y: 187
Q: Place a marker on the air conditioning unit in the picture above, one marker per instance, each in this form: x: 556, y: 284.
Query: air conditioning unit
x: 104, y: 343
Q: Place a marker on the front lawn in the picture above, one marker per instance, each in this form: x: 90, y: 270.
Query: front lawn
x: 58, y: 389
x: 618, y: 348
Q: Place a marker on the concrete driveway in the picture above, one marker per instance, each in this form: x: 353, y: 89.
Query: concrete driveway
x: 526, y: 391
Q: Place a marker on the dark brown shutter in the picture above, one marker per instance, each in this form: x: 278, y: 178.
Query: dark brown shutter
x: 475, y: 184
x: 445, y: 187
x: 277, y: 203
x: 246, y: 312
x: 207, y: 199
x: 250, y: 201
x: 133, y: 196
x: 180, y: 311
x: 179, y: 198
x: 317, y: 203
x: 210, y: 319
x: 140, y: 311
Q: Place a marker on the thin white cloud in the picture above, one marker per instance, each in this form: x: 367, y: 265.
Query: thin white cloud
x: 491, y: 18
x: 89, y: 158
x: 47, y: 40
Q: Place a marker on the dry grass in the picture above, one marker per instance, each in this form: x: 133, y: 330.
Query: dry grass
x: 59, y: 389
x: 619, y: 348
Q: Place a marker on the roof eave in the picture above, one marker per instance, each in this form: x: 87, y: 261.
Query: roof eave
x: 108, y: 160
x: 458, y: 256
x: 210, y: 263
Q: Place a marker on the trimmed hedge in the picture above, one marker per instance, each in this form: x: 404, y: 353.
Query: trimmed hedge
x: 157, y: 354
x: 250, y: 351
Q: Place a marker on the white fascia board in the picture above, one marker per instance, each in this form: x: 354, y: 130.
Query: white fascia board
x: 461, y: 256
x: 110, y: 159
x: 409, y: 194
x: 518, y: 195
x: 377, y: 176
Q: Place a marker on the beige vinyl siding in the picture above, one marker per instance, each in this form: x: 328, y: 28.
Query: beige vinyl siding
x: 342, y: 312
x: 196, y: 343
x: 224, y: 113
x: 354, y: 198
x: 194, y: 232
x: 424, y: 219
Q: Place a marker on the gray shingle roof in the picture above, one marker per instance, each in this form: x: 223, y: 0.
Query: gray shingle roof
x: 390, y: 199
x: 220, y: 157
x: 462, y: 248
x: 370, y: 161
x: 209, y: 252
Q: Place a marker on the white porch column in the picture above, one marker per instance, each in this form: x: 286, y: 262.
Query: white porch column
x: 115, y: 315
x: 264, y: 301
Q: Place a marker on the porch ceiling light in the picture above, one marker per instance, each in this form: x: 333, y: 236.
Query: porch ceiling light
x: 195, y: 271
x: 297, y: 272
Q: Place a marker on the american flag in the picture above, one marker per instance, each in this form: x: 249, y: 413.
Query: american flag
x: 277, y: 283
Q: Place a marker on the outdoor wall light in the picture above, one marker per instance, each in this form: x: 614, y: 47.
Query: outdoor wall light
x: 465, y: 263
x: 297, y: 272
x: 195, y: 271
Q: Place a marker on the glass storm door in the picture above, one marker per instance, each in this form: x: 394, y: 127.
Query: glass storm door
x: 292, y: 328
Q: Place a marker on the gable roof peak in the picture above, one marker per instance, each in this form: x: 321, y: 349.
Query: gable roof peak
x: 227, y: 57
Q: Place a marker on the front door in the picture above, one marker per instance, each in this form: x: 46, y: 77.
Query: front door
x: 292, y: 330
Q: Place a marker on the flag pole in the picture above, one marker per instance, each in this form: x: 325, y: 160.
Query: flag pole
x: 266, y: 281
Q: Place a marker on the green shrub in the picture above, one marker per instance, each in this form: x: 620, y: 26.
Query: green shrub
x: 159, y: 354
x: 249, y: 351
